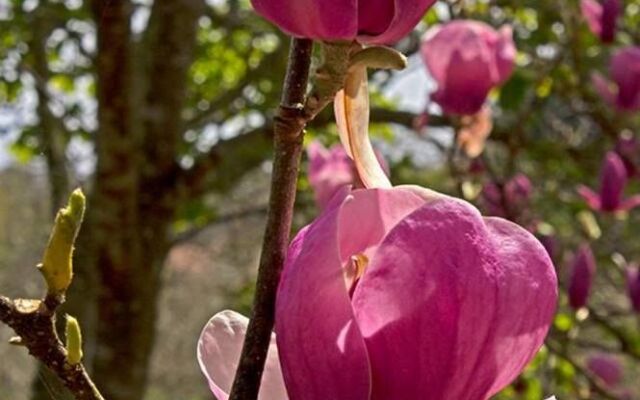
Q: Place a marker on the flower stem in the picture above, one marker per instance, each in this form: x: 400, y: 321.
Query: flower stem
x: 288, y: 135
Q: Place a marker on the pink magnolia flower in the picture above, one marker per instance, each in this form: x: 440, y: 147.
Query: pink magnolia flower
x: 415, y: 296
x: 625, y: 71
x: 332, y: 169
x: 583, y: 268
x: 507, y: 200
x: 606, y: 367
x: 368, y: 21
x: 467, y: 59
x: 613, y: 179
x: 602, y: 17
x: 633, y: 287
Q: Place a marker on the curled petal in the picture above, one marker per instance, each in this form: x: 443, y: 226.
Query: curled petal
x: 592, y: 13
x: 461, y: 282
x: 316, y: 327
x: 351, y: 108
x: 336, y: 19
x: 219, y: 350
x: 406, y: 16
x: 592, y: 198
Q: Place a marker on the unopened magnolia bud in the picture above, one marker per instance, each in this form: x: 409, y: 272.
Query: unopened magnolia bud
x: 379, y: 57
x: 74, y: 341
x: 57, y: 265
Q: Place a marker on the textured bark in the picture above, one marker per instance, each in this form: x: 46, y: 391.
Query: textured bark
x: 133, y: 201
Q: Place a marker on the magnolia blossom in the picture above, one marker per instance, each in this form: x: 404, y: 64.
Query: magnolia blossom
x: 395, y: 293
x: 613, y: 179
x: 368, y: 21
x: 331, y: 169
x: 606, y: 367
x: 509, y: 199
x: 467, y: 59
x: 624, y: 93
x: 583, y: 268
x: 602, y: 17
x: 633, y: 287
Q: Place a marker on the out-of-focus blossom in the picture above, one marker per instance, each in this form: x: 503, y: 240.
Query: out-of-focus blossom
x: 602, y: 17
x: 624, y: 92
x: 628, y: 148
x: 633, y: 286
x: 507, y: 200
x: 364, y: 279
x: 331, y: 169
x: 474, y: 131
x: 583, y: 269
x: 368, y: 21
x: 467, y: 59
x: 606, y: 367
x: 613, y: 179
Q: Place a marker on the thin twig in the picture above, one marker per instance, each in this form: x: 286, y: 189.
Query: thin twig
x: 288, y: 134
x: 34, y: 323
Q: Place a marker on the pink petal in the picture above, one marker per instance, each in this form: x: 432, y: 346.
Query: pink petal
x: 603, y: 87
x: 441, y: 305
x: 406, y: 16
x: 633, y: 287
x: 625, y: 71
x: 374, y: 16
x: 351, y: 108
x: 592, y: 198
x: 610, y: 13
x: 313, y: 305
x: 613, y: 179
x: 334, y: 19
x: 329, y: 170
x: 606, y: 367
x: 314, y: 319
x: 592, y: 13
x: 583, y: 268
x: 505, y: 53
x: 219, y: 350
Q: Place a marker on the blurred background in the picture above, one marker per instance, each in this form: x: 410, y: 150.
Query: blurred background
x: 162, y: 112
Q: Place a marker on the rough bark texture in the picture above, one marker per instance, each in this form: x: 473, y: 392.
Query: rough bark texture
x: 133, y: 201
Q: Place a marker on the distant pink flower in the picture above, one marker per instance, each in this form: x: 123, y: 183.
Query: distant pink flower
x: 606, y: 367
x: 613, y: 179
x: 550, y: 243
x: 467, y: 59
x: 633, y: 287
x: 406, y: 294
x: 368, y: 21
x: 602, y: 17
x: 507, y: 200
x: 332, y: 169
x: 583, y: 269
x: 625, y: 72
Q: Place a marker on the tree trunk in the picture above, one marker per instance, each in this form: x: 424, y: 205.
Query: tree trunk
x: 134, y: 198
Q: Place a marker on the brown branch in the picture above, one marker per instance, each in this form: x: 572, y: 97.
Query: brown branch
x: 34, y: 323
x: 288, y: 132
